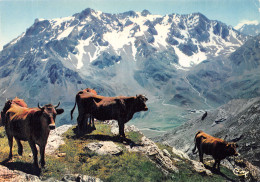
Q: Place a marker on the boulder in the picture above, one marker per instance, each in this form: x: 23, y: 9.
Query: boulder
x: 14, y: 175
x: 79, y: 177
x: 55, y: 139
x: 104, y: 148
x: 199, y: 167
x: 180, y: 153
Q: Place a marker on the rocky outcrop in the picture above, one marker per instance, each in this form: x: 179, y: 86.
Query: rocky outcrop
x: 200, y: 168
x: 14, y: 176
x: 147, y: 147
x: 55, y: 139
x: 80, y: 178
x: 104, y: 148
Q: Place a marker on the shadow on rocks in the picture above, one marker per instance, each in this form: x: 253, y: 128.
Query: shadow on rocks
x: 100, y: 137
x: 25, y: 167
x: 216, y: 171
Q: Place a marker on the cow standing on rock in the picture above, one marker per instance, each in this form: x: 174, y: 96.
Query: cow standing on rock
x: 32, y: 125
x: 119, y: 108
x: 216, y: 147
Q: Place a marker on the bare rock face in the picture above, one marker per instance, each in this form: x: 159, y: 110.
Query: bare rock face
x: 55, y: 139
x: 14, y: 175
x: 180, y: 153
x: 79, y: 177
x: 147, y: 147
x: 115, y: 130
x: 199, y: 167
x: 104, y: 148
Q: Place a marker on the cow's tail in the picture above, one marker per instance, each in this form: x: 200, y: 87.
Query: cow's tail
x: 71, y: 112
x: 194, y: 149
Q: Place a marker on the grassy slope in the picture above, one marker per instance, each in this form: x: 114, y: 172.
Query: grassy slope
x: 126, y: 167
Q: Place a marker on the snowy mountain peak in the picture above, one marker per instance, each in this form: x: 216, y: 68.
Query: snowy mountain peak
x: 134, y: 49
x: 251, y: 29
x: 84, y: 37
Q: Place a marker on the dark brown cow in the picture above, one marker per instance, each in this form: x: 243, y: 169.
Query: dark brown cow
x: 216, y: 147
x: 8, y: 103
x: 119, y: 108
x: 82, y: 125
x: 32, y: 125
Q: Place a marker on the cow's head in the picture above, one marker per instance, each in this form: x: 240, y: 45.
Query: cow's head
x: 231, y: 149
x: 141, y: 106
x: 49, y: 112
x: 91, y: 91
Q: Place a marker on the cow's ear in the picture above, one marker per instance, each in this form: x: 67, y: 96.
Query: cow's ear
x: 59, y: 111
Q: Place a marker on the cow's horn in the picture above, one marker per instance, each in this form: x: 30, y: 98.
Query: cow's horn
x: 6, y: 99
x: 57, y: 105
x: 39, y: 106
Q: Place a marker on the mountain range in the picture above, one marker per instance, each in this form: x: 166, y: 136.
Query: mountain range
x: 250, y: 29
x: 187, y: 61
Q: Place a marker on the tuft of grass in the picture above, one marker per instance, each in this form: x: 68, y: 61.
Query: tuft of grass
x: 136, y: 137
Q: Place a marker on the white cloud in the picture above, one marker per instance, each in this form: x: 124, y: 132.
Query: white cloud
x: 248, y: 22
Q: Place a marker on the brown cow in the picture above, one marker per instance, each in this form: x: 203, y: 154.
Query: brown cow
x: 32, y: 125
x: 119, y: 108
x: 216, y: 147
x: 8, y: 103
x: 82, y: 126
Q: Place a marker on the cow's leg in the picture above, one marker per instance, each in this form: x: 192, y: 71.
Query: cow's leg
x: 92, y: 119
x: 86, y: 125
x: 10, y: 142
x: 42, y: 153
x: 35, y: 152
x: 200, y: 155
x: 80, y: 120
x: 20, y: 147
x: 218, y: 165
x: 121, y: 129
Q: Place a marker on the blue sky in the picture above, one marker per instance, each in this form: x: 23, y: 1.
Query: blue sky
x: 17, y: 15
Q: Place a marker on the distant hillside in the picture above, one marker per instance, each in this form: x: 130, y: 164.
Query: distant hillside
x: 238, y: 120
x: 250, y: 29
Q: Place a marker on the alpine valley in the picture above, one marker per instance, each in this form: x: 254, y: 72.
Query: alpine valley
x: 182, y: 63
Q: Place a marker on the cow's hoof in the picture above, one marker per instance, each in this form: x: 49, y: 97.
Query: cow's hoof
x: 122, y: 136
x: 42, y: 164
